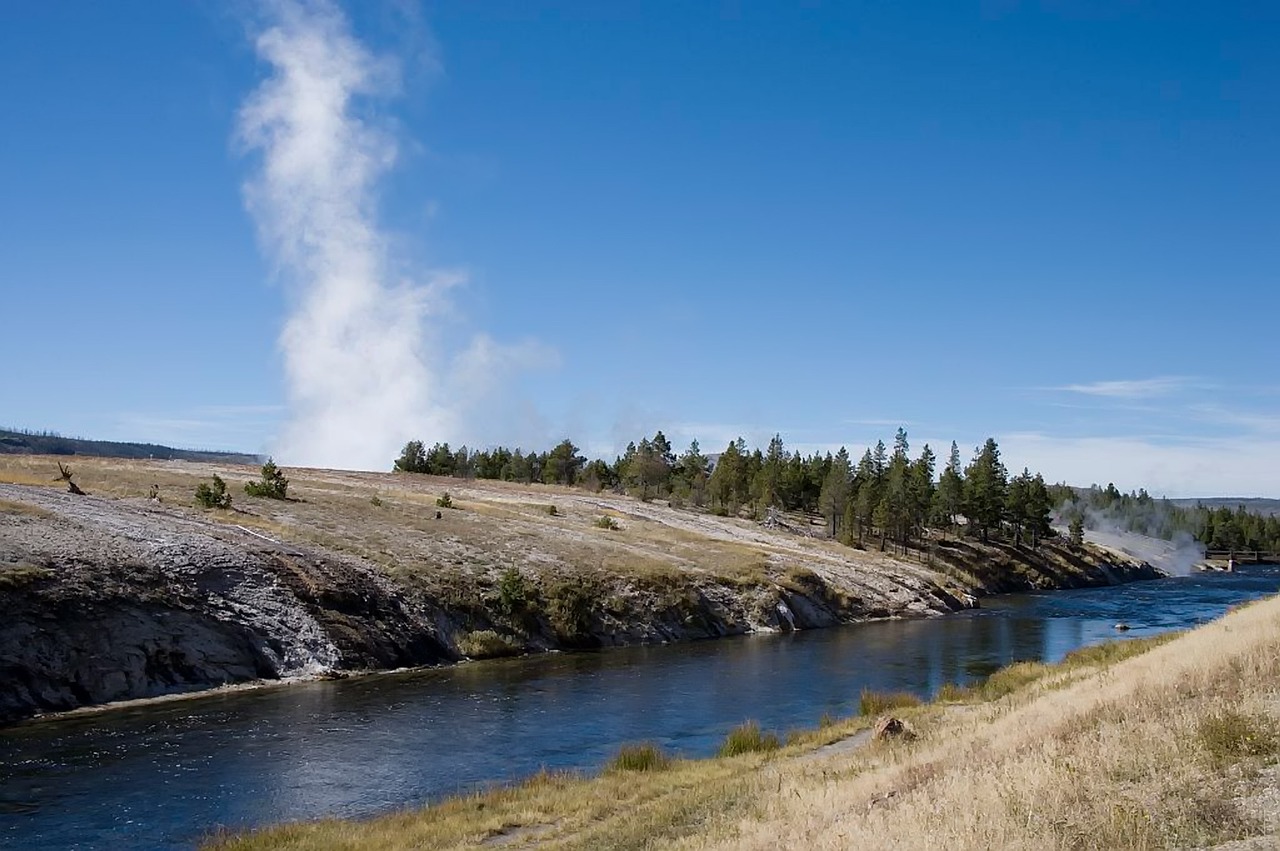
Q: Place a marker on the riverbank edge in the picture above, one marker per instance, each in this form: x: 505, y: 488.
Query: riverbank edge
x: 89, y: 632
x: 262, y: 684
x: 573, y: 809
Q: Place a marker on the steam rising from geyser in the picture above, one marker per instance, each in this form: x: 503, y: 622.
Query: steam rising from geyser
x: 358, y: 381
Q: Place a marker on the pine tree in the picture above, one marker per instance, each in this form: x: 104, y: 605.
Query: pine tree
x: 793, y: 483
x: 986, y: 482
x: 1076, y: 531
x: 950, y: 498
x: 897, y: 493
x: 413, y: 458
x: 1017, y: 504
x: 922, y: 489
x: 835, y: 492
x: 1038, y: 508
x: 868, y: 495
x: 768, y: 484
x: 563, y: 464
x: 691, y: 471
x: 272, y: 485
x: 721, y: 485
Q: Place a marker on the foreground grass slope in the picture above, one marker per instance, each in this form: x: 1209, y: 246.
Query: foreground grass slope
x: 1175, y: 747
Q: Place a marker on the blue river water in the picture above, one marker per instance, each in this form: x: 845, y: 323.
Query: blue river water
x: 164, y: 775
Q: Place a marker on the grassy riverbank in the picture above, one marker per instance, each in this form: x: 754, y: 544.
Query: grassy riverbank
x: 1153, y: 744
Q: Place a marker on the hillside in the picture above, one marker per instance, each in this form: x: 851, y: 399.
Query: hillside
x: 114, y: 595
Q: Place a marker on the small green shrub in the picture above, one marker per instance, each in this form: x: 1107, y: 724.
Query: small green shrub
x: 569, y: 611
x: 644, y: 756
x: 552, y: 510
x: 1229, y: 736
x: 213, y: 495
x: 873, y: 702
x: 272, y: 485
x: 607, y: 522
x: 748, y: 738
x: 375, y: 501
x: 444, y: 501
x: 513, y: 592
x: 486, y: 644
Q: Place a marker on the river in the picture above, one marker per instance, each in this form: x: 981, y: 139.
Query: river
x: 162, y: 775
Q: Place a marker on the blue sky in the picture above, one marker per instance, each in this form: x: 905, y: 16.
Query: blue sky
x: 1054, y: 223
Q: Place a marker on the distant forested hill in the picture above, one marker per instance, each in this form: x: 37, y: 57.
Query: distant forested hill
x: 1251, y: 504
x: 46, y: 443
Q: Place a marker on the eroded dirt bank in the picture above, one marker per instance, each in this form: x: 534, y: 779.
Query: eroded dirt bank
x: 113, y: 596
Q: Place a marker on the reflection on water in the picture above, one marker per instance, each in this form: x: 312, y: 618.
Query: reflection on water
x: 164, y: 775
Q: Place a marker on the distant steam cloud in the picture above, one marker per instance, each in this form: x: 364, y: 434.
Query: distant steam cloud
x: 361, y: 378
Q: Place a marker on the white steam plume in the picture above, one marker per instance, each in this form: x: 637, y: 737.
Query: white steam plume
x: 358, y: 378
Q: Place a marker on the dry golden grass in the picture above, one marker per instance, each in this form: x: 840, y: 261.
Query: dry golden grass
x: 1113, y: 758
x: 1107, y: 750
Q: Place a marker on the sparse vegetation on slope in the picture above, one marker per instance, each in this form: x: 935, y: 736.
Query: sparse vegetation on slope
x: 404, y: 582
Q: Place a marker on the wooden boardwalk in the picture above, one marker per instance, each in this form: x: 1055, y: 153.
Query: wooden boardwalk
x: 1243, y: 556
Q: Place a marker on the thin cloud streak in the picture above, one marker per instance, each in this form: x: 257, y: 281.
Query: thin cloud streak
x: 1146, y: 388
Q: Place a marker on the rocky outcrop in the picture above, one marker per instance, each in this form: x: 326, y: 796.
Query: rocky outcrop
x: 107, y: 599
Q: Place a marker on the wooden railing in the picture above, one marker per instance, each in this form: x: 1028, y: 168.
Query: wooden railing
x: 1244, y: 556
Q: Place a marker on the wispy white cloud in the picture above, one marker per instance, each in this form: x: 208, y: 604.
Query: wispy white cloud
x: 1258, y: 422
x: 1144, y: 388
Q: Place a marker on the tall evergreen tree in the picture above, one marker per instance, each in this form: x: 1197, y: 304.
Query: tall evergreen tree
x: 691, y: 471
x: 1038, y: 509
x: 1017, y: 504
x: 723, y: 479
x: 986, y: 482
x: 768, y: 484
x: 413, y: 458
x: 868, y: 495
x: 563, y: 464
x: 897, y: 493
x: 922, y: 489
x: 950, y: 497
x: 835, y: 492
x: 793, y: 483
